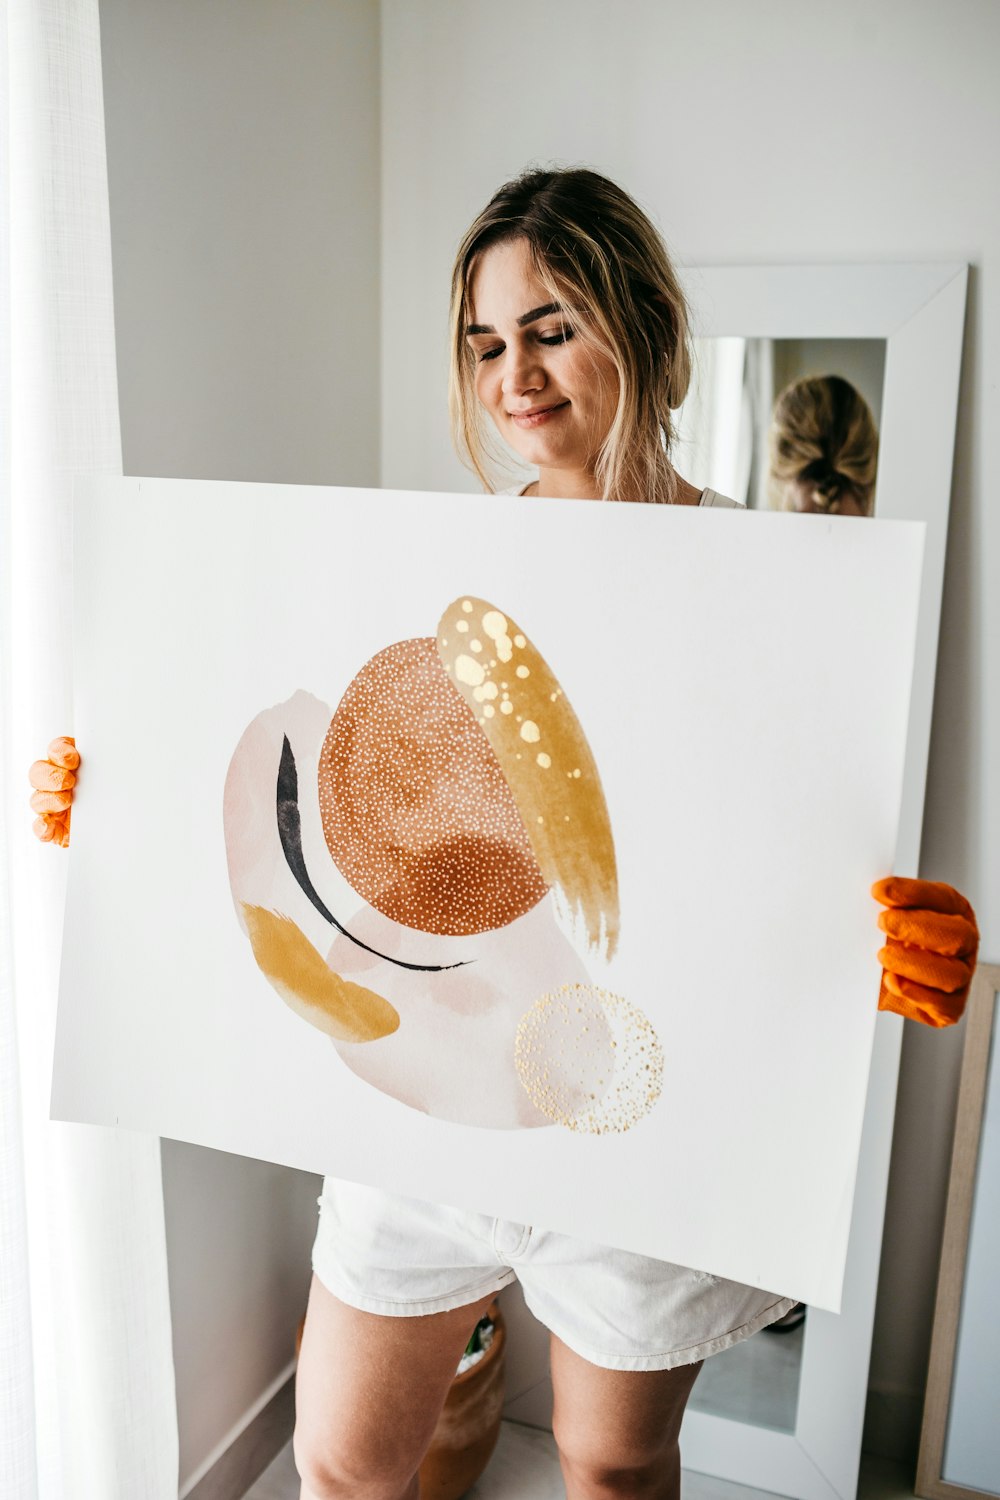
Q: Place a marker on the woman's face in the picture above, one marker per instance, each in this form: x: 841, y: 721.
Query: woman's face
x: 551, y: 397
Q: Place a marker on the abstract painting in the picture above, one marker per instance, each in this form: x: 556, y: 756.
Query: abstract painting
x: 506, y: 853
x: 458, y: 797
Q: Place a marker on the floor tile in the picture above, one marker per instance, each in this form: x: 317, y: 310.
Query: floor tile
x: 524, y: 1466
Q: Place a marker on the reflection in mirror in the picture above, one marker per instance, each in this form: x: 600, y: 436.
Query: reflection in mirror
x: 784, y: 424
x: 756, y: 1381
x: 779, y: 424
x: 822, y: 448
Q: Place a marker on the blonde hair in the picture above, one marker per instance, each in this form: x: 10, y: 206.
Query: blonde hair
x: 600, y: 257
x: 823, y: 436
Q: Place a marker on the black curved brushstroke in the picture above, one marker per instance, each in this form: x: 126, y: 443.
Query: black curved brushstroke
x: 290, y: 834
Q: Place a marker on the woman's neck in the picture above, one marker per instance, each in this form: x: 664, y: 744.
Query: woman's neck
x: 566, y: 484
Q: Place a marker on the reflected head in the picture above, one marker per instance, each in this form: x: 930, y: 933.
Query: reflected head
x: 823, y: 448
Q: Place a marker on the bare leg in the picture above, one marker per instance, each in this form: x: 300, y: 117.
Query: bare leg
x: 368, y: 1393
x: 617, y: 1430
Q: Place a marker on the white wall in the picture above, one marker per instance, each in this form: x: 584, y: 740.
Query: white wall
x: 244, y: 172
x: 238, y: 1239
x: 243, y: 141
x: 756, y: 131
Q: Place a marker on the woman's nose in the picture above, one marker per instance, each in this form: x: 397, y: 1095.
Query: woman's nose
x: 522, y: 372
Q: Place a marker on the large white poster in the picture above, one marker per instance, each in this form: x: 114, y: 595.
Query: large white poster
x: 510, y: 853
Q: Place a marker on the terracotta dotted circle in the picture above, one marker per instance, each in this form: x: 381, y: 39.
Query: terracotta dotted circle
x: 416, y: 812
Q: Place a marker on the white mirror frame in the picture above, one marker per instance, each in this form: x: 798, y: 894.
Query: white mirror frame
x: 919, y: 310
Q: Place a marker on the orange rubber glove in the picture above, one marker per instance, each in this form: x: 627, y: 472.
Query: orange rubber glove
x: 930, y: 958
x: 53, y: 780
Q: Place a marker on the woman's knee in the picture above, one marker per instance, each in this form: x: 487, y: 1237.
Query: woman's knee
x: 635, y: 1470
x: 331, y: 1469
x: 622, y: 1440
x: 368, y: 1393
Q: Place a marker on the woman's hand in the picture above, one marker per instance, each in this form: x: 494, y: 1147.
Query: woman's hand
x: 930, y: 958
x: 53, y: 780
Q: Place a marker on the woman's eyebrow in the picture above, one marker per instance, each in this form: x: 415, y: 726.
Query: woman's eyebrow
x: 522, y: 322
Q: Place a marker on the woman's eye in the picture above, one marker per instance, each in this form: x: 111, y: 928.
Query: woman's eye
x: 561, y: 337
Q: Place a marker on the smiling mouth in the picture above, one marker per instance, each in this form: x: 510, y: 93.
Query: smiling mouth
x: 539, y: 415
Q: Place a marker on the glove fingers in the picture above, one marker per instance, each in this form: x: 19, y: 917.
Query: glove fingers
x: 63, y: 752
x: 910, y: 1011
x: 919, y: 1003
x: 933, y: 895
x: 952, y: 935
x: 50, y: 802
x: 47, y: 777
x: 52, y: 828
x: 901, y: 1007
x: 934, y: 970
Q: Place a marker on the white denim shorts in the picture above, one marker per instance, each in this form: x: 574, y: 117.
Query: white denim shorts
x: 401, y: 1257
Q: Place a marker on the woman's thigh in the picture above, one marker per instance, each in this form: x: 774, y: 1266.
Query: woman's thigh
x: 369, y: 1389
x: 611, y: 1423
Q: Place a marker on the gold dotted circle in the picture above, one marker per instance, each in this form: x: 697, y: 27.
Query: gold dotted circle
x: 589, y: 1059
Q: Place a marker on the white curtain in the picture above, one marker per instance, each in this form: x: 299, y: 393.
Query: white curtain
x: 87, y: 1408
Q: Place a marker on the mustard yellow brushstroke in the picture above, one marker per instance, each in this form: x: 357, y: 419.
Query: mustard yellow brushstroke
x: 544, y: 755
x: 306, y: 983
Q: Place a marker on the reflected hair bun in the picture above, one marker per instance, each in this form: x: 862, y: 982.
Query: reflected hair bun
x: 823, y: 436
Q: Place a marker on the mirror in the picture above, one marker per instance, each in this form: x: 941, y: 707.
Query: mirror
x: 784, y: 1412
x: 818, y: 400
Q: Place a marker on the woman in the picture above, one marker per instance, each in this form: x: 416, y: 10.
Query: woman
x: 823, y: 448
x: 569, y: 352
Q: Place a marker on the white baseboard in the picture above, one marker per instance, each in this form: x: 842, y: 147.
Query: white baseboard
x: 245, y: 1452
